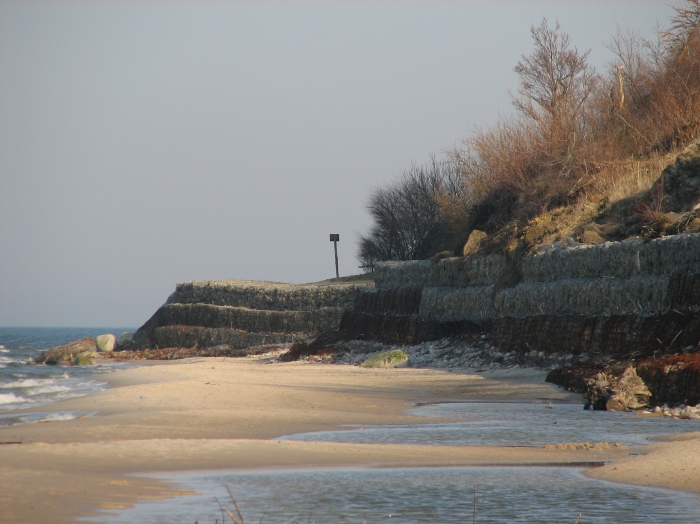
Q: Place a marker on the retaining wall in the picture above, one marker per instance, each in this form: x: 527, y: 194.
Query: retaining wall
x: 270, y: 296
x: 611, y: 298
x: 613, y: 278
x: 243, y: 313
x: 663, y: 256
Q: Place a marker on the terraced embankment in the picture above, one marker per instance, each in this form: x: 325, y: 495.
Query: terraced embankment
x: 612, y: 298
x: 243, y: 313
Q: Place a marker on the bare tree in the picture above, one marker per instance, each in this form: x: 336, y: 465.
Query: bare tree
x: 555, y: 83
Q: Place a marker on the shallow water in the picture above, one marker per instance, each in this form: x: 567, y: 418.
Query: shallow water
x: 24, y: 385
x: 512, y: 424
x: 416, y: 495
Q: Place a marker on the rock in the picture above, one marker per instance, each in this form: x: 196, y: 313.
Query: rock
x: 106, y: 343
x: 66, y: 352
x: 680, y: 181
x: 615, y: 404
x: 84, y: 359
x: 474, y: 241
x: 607, y: 392
x: 389, y: 359
x: 125, y: 339
x: 672, y: 379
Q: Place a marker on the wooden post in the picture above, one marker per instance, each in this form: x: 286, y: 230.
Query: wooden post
x: 335, y: 238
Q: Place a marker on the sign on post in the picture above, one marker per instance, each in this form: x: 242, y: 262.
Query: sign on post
x: 335, y: 238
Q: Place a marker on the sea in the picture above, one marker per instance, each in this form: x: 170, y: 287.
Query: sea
x: 24, y: 384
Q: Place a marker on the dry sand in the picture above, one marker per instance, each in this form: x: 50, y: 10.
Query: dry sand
x: 218, y: 413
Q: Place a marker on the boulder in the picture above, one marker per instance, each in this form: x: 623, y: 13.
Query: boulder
x: 680, y: 182
x: 84, y: 359
x: 106, y: 343
x: 608, y: 392
x: 63, y: 353
x: 389, y: 359
x: 473, y: 243
x: 125, y: 339
x: 672, y: 379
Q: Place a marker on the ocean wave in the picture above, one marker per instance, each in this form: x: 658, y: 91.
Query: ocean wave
x: 28, y: 383
x: 6, y: 360
x: 4, y: 350
x: 11, y: 398
x: 43, y: 390
x: 41, y: 417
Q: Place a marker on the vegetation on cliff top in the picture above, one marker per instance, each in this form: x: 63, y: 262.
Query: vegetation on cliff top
x: 579, y: 159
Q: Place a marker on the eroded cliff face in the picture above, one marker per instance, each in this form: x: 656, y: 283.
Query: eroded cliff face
x: 242, y: 313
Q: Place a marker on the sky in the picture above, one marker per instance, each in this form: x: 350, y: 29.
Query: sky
x: 145, y: 143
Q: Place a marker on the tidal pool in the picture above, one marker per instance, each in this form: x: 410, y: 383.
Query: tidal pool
x: 416, y: 495
x: 511, y: 424
x: 443, y: 495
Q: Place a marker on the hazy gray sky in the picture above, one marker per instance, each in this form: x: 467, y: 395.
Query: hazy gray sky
x: 148, y: 143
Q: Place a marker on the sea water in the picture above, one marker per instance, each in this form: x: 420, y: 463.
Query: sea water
x: 415, y: 495
x: 27, y: 385
x: 511, y: 424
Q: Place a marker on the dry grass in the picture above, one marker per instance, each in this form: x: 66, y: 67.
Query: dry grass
x: 580, y: 145
x: 570, y: 154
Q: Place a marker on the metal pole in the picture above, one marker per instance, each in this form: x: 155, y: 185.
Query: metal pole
x: 335, y: 246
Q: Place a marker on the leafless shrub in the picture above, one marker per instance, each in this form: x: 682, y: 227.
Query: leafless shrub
x: 408, y: 221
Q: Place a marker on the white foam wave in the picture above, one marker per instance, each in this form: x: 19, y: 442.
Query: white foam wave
x: 39, y: 417
x: 64, y: 416
x: 52, y: 417
x: 11, y: 398
x: 7, y: 360
x: 48, y: 389
x: 28, y: 383
x: 3, y: 350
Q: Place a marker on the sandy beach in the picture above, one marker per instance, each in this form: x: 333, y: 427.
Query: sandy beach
x: 205, y: 414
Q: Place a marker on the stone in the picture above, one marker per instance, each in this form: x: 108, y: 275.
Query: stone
x: 389, y: 359
x: 680, y: 181
x: 473, y: 243
x: 106, y: 343
x: 607, y: 392
x: 672, y: 379
x: 84, y: 359
x: 125, y: 339
x: 66, y: 352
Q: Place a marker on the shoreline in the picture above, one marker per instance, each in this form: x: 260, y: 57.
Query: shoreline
x: 219, y: 414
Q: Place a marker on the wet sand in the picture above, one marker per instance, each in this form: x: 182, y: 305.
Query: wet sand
x: 204, y: 414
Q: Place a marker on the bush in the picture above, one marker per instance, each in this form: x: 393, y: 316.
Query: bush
x: 409, y: 222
